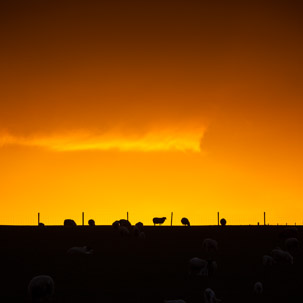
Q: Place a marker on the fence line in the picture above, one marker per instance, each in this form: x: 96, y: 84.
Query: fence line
x: 174, y: 219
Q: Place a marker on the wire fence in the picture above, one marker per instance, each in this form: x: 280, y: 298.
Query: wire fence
x: 172, y: 218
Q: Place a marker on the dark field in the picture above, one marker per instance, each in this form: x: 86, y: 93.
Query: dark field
x: 126, y: 269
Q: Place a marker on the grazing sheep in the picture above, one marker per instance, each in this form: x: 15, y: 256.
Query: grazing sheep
x: 282, y: 257
x: 198, y: 267
x: 185, y: 221
x: 268, y: 261
x: 79, y: 251
x: 41, y: 289
x: 292, y: 244
x: 159, y: 220
x: 223, y: 222
x: 91, y: 222
x: 210, y: 246
x: 137, y: 229
x: 258, y: 288
x: 210, y: 296
x: 139, y: 225
x: 116, y: 224
x: 125, y: 223
x: 69, y: 223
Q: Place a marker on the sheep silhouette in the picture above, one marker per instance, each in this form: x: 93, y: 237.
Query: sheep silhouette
x: 41, y: 289
x: 139, y: 225
x: 69, y: 223
x: 223, y: 222
x: 125, y: 223
x: 91, y: 222
x: 137, y: 229
x: 116, y: 224
x: 159, y: 220
x: 185, y: 222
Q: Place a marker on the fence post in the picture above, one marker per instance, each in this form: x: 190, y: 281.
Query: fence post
x: 171, y: 218
x: 218, y: 218
x: 38, y: 218
x: 264, y: 218
x: 82, y: 218
x: 127, y: 216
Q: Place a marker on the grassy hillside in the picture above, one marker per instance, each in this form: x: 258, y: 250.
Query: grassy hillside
x: 126, y: 269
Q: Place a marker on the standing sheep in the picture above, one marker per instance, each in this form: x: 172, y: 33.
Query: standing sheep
x: 185, y: 221
x: 41, y: 289
x: 159, y: 220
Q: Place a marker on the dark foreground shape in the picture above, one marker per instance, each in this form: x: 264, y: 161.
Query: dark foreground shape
x: 128, y: 270
x: 41, y: 289
x: 185, y: 221
x: 223, y: 222
x: 41, y: 224
x: 288, y: 232
x: 116, y: 224
x: 159, y: 220
x: 69, y: 223
x: 91, y: 222
x: 125, y: 223
x: 139, y: 225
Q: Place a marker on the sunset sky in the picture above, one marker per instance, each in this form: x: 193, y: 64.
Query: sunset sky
x: 151, y: 107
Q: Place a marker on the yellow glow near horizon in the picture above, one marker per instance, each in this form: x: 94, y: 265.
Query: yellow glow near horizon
x: 81, y: 141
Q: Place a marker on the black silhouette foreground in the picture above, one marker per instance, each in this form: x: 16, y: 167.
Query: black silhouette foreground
x: 223, y: 222
x: 159, y: 221
x: 185, y: 222
x: 69, y: 223
x: 238, y: 263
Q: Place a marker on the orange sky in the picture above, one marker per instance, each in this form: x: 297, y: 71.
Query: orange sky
x: 151, y: 107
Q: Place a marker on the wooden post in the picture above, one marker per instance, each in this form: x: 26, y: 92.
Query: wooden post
x: 38, y: 218
x: 218, y: 218
x: 264, y: 218
x: 127, y: 216
x: 82, y: 218
x: 171, y: 218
